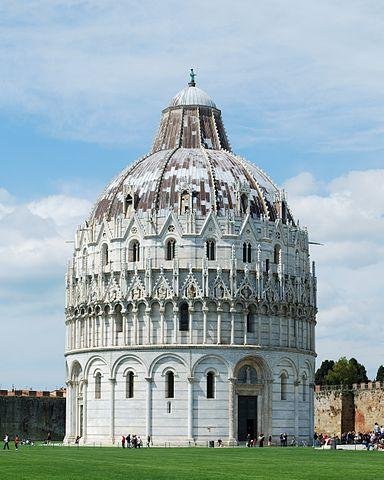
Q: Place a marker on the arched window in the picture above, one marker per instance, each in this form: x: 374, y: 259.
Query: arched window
x: 250, y: 322
x: 118, y: 319
x: 267, y: 265
x: 244, y: 203
x: 98, y: 385
x: 276, y: 254
x: 184, y: 317
x: 247, y: 252
x: 134, y: 251
x: 304, y: 382
x: 297, y: 262
x: 211, y: 249
x: 104, y: 254
x: 129, y: 387
x: 247, y: 375
x: 283, y: 386
x: 210, y: 385
x: 170, y: 253
x: 170, y: 385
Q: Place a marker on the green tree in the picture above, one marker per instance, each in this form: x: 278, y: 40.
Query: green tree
x: 380, y: 374
x: 346, y: 372
x: 321, y: 372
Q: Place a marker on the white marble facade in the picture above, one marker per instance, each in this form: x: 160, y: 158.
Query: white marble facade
x: 190, y: 298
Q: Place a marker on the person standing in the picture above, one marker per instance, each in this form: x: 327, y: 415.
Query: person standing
x: 6, y: 441
x: 17, y: 441
x: 148, y: 441
x: 123, y: 441
x: 261, y: 440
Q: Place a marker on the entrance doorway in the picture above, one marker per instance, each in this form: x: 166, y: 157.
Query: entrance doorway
x: 247, y: 417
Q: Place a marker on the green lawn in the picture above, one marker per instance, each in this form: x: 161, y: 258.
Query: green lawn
x: 69, y: 463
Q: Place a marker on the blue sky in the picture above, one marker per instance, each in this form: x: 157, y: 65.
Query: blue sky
x: 82, y: 86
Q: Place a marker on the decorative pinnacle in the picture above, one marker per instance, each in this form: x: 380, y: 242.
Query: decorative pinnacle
x: 192, y: 74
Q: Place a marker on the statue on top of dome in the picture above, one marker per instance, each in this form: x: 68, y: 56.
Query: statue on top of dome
x: 192, y: 74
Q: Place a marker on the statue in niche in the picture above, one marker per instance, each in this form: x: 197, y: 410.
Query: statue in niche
x: 191, y: 291
x: 162, y: 292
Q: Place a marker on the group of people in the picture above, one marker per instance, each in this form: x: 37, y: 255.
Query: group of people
x: 373, y: 439
x: 253, y: 442
x: 6, y: 441
x: 134, y: 441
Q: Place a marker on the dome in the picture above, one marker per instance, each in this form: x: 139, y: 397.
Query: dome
x: 191, y: 153
x: 192, y: 96
x: 215, y: 177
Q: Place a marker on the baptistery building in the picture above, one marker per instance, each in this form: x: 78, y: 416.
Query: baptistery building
x: 190, y: 297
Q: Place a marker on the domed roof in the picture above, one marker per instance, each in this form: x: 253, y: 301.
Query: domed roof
x: 192, y: 95
x: 191, y: 153
x: 215, y: 178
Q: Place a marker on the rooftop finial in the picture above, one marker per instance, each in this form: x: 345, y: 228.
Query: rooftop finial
x: 192, y: 74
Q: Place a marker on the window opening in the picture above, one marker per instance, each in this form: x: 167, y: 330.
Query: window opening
x: 210, y: 385
x: 98, y: 385
x: 283, y: 387
x: 210, y: 249
x: 170, y: 385
x: 130, y: 385
x: 184, y: 317
x: 171, y: 249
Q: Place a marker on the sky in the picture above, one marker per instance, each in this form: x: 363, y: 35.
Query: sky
x: 82, y: 86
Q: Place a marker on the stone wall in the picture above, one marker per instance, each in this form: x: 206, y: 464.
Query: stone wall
x: 341, y: 410
x: 32, y: 416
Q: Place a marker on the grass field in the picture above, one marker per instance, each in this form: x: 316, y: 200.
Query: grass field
x: 71, y: 463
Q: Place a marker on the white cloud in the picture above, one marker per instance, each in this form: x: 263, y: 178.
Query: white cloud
x: 307, y: 71
x: 347, y: 215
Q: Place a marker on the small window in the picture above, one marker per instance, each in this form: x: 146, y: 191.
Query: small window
x: 98, y: 386
x: 170, y: 254
x: 118, y: 319
x: 130, y: 385
x: 250, y: 323
x: 184, y: 317
x: 267, y: 265
x: 169, y: 407
x: 170, y: 385
x: 247, y: 375
x: 134, y: 251
x: 283, y: 386
x: 247, y: 252
x: 244, y: 203
x: 185, y: 199
x: 210, y: 385
x: 276, y: 255
x: 211, y: 249
x: 104, y: 254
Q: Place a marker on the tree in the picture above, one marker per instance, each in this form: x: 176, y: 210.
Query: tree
x: 380, y: 374
x: 346, y: 372
x: 321, y: 372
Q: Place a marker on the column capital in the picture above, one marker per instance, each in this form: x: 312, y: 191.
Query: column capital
x: 232, y: 380
x: 149, y: 379
x: 69, y: 383
x: 112, y: 380
x: 190, y: 379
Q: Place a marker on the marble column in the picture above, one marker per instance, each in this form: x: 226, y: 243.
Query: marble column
x: 245, y: 328
x: 296, y: 386
x: 205, y: 311
x: 112, y: 382
x: 161, y: 325
x: 69, y: 411
x: 148, y: 409
x: 85, y: 405
x: 148, y: 324
x: 175, y: 314
x: 190, y: 409
x: 219, y: 313
x: 233, y: 310
x: 231, y: 410
x: 135, y: 326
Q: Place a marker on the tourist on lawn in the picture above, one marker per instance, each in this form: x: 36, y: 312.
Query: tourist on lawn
x: 270, y: 441
x: 376, y: 428
x: 123, y: 441
x: 6, y: 441
x: 261, y: 440
x: 128, y: 440
x: 148, y: 441
x: 17, y: 441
